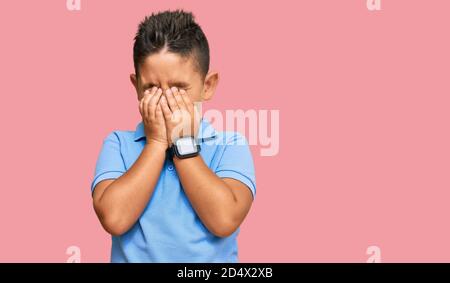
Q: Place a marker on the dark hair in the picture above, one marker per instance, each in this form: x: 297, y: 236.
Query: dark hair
x: 175, y: 30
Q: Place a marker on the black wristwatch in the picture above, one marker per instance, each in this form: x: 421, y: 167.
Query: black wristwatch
x: 185, y: 147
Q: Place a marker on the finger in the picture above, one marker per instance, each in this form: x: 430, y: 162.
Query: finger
x: 144, y: 104
x: 187, y: 101
x: 147, y: 97
x: 178, y: 98
x: 171, y: 100
x: 153, y: 103
x: 141, y: 103
x: 140, y: 106
x: 158, y: 113
x: 165, y: 108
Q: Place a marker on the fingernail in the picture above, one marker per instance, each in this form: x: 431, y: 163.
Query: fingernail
x: 168, y: 91
x: 174, y: 89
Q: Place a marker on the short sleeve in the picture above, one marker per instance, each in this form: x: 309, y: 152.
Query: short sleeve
x: 110, y: 164
x: 237, y: 162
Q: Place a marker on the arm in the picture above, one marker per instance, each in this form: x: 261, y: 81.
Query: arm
x: 119, y: 203
x: 221, y: 203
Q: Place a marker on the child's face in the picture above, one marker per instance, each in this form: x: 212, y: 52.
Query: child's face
x: 166, y: 70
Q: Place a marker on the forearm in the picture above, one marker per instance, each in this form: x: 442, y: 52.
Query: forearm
x: 124, y: 200
x: 211, y: 198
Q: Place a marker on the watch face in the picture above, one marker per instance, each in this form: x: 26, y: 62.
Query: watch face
x: 186, y: 146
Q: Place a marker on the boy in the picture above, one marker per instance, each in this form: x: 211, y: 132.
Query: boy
x: 175, y: 189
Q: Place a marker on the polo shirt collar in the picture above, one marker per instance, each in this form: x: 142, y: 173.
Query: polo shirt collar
x: 205, y: 133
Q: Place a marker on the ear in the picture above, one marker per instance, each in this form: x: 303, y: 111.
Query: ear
x: 210, y: 85
x: 135, y: 83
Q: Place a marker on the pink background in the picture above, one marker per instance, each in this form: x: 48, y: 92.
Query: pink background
x: 364, y: 110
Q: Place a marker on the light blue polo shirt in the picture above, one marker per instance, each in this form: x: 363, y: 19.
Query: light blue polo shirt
x: 169, y: 230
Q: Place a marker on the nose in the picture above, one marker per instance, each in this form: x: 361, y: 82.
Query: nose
x: 164, y: 87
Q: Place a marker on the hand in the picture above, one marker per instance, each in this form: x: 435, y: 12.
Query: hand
x: 152, y: 117
x: 182, y: 118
